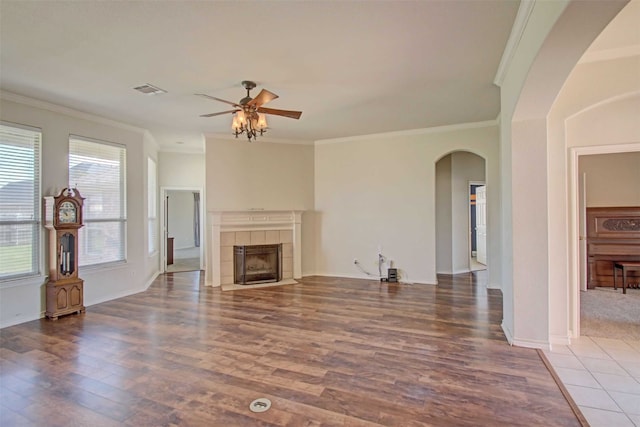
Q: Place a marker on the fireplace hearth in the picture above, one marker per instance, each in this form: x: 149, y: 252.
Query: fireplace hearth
x: 257, y: 264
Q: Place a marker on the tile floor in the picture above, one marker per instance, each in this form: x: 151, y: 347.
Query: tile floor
x: 603, y: 378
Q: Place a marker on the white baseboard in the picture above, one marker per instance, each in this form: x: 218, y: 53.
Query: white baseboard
x: 376, y: 278
x: 507, y: 333
x: 21, y: 319
x: 543, y: 345
x: 559, y: 340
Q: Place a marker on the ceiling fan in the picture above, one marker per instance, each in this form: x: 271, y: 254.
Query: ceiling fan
x: 249, y: 112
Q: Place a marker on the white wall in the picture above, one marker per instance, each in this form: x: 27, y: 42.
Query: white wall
x: 151, y: 151
x: 443, y: 216
x: 380, y: 191
x: 181, y: 170
x: 466, y: 167
x: 181, y: 206
x: 612, y: 179
x: 21, y: 301
x: 261, y: 175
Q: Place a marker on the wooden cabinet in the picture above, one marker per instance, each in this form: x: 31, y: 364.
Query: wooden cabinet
x: 64, y: 297
x: 613, y: 234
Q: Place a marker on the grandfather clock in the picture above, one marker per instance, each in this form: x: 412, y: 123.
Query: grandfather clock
x: 63, y: 218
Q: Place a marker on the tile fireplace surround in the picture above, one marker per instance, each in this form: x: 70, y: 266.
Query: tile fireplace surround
x: 254, y: 227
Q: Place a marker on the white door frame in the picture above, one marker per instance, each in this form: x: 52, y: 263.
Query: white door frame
x: 485, y: 236
x: 469, y: 213
x: 163, y: 228
x: 574, y: 223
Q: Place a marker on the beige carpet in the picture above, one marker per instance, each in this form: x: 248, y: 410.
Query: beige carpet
x: 259, y: 285
x: 610, y: 314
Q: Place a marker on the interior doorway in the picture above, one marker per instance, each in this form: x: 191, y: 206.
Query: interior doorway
x: 455, y: 172
x: 579, y: 203
x: 182, y: 223
x: 477, y: 226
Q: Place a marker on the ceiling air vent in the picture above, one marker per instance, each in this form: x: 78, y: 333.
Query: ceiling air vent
x: 148, y: 89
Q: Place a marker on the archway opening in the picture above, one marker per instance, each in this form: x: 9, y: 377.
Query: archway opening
x: 457, y: 175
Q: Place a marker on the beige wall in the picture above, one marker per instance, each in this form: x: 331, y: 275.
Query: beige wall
x: 262, y: 175
x: 612, y: 179
x: 380, y: 191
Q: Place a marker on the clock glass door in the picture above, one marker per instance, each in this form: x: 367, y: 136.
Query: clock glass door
x: 66, y: 257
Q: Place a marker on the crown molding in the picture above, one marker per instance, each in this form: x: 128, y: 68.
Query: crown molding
x: 410, y: 132
x: 44, y: 105
x: 519, y: 25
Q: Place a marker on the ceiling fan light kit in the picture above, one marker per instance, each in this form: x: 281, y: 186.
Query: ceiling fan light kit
x: 252, y: 127
x: 249, y: 115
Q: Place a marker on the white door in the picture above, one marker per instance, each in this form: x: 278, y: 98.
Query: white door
x: 481, y: 224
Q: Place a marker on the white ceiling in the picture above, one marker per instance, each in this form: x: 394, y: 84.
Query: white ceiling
x: 352, y: 67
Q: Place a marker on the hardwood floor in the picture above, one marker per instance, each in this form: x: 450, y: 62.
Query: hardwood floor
x: 326, y: 352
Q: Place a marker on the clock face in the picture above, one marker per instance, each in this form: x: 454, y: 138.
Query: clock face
x: 67, y: 212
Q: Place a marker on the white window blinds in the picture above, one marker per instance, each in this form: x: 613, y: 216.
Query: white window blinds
x: 19, y: 201
x: 152, y: 208
x: 97, y: 169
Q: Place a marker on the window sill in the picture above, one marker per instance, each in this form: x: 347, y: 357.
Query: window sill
x: 38, y: 280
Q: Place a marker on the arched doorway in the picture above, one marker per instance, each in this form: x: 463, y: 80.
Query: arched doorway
x: 537, y: 303
x: 456, y: 174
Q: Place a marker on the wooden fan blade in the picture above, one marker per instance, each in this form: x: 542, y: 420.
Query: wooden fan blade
x: 218, y: 99
x: 263, y: 97
x: 218, y: 114
x: 284, y: 113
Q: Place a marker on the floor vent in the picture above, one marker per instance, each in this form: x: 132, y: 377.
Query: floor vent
x: 260, y: 405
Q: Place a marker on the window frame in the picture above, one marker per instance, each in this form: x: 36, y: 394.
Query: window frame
x: 86, y: 232
x: 35, y: 275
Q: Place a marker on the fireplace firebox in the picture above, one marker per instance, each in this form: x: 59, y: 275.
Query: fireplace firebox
x: 257, y: 264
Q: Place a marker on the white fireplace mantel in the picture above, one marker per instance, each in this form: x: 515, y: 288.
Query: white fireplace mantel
x: 254, y: 220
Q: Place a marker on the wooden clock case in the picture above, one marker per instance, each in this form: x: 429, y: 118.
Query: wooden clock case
x: 64, y: 289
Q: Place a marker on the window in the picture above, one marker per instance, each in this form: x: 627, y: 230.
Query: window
x: 152, y: 208
x: 97, y: 170
x: 19, y: 201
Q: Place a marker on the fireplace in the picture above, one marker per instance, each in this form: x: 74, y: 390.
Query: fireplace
x: 253, y: 227
x: 257, y: 264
